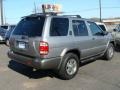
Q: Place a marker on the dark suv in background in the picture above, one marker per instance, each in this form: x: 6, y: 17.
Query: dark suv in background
x: 59, y: 42
x: 8, y: 34
x: 2, y: 35
x: 116, y: 34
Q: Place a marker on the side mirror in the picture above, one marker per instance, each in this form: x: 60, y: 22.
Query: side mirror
x: 115, y: 30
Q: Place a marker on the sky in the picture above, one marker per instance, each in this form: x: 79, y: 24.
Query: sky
x: 15, y: 9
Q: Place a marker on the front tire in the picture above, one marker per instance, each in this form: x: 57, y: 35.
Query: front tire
x: 109, y: 52
x: 69, y: 67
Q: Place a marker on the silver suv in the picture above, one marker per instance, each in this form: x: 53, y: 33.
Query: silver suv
x: 58, y: 42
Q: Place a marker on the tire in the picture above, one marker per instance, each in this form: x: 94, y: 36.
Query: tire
x: 109, y: 52
x: 69, y: 66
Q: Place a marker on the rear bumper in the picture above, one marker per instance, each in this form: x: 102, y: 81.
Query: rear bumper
x: 52, y: 63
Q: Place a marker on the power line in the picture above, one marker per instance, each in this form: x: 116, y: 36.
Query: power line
x: 93, y: 9
x: 85, y: 10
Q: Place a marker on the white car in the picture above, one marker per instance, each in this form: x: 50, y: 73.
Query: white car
x: 102, y: 26
x: 2, y: 35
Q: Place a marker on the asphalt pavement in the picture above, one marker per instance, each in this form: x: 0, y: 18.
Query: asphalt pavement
x: 95, y: 75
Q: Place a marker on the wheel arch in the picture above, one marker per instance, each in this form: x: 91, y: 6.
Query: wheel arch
x: 113, y: 42
x: 75, y: 51
x: 66, y: 51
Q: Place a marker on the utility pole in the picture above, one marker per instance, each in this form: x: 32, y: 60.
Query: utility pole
x: 1, y: 12
x: 100, y: 10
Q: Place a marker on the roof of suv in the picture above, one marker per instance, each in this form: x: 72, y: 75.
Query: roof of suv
x: 55, y: 15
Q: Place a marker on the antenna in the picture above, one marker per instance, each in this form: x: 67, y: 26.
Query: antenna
x: 35, y: 10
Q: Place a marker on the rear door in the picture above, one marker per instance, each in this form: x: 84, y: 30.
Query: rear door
x: 26, y: 37
x: 82, y: 38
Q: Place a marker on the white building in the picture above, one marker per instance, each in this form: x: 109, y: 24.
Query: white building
x: 111, y: 21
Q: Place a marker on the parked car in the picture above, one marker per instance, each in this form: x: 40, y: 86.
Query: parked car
x: 2, y: 35
x: 116, y: 34
x: 7, y: 35
x: 102, y: 26
x: 105, y: 29
x: 60, y: 43
x: 7, y: 27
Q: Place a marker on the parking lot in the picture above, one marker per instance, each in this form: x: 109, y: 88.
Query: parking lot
x: 97, y: 75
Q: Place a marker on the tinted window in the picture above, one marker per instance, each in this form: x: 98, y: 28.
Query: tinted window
x: 30, y: 26
x: 95, y: 29
x: 102, y: 27
x: 59, y: 27
x: 5, y: 27
x: 79, y: 28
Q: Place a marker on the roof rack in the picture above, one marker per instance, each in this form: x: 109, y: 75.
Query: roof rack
x: 41, y: 14
x: 78, y: 16
x: 50, y: 14
x: 47, y: 13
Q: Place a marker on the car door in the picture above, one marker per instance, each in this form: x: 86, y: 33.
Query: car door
x: 82, y: 38
x: 98, y: 39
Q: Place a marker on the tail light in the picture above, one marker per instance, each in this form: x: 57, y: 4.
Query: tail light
x: 43, y: 48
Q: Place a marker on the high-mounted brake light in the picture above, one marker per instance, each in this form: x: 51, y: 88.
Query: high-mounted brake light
x: 43, y: 48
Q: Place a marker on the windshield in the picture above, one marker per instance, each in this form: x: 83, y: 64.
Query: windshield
x: 30, y: 26
x: 102, y: 27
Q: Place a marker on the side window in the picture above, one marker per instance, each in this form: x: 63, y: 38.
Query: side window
x: 59, y: 27
x: 79, y: 28
x: 102, y: 27
x: 96, y: 31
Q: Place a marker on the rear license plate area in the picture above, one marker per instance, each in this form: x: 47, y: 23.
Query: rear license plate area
x: 21, y: 45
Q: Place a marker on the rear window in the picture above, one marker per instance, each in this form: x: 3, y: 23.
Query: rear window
x: 30, y: 26
x: 59, y: 27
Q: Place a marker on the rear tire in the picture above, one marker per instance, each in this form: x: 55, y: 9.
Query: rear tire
x: 69, y: 67
x: 109, y: 52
